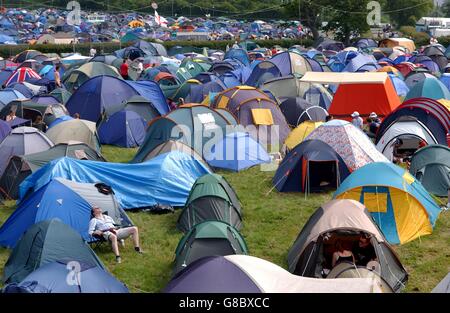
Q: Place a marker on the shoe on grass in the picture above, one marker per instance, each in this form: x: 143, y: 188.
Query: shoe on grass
x: 118, y: 259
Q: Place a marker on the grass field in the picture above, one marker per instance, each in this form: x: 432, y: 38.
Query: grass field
x: 272, y: 221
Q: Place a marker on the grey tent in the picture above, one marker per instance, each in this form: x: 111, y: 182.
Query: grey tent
x: 22, y: 141
x: 209, y: 238
x: 45, y: 242
x: 21, y: 166
x: 211, y: 198
x: 344, y: 221
x: 143, y: 107
x: 174, y: 145
x: 431, y: 166
x: 443, y: 286
x: 75, y: 129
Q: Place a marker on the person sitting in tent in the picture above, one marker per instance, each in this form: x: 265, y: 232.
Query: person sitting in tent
x: 76, y: 116
x: 235, y: 45
x: 39, y: 124
x: 357, y: 120
x: 103, y: 226
x: 11, y: 116
x: 364, y: 251
x: 343, y: 253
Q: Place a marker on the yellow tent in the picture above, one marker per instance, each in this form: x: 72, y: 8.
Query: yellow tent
x: 300, y: 133
x: 136, y: 23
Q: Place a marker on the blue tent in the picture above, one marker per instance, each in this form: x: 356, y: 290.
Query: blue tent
x: 8, y: 40
x: 238, y: 54
x: 68, y: 201
x: 361, y: 63
x: 445, y: 79
x: 165, y: 179
x: 309, y: 164
x: 236, y: 151
x: 400, y: 87
x: 124, y: 129
x: 52, y: 278
x: 106, y: 95
x: 263, y: 72
x: 8, y: 95
x: 4, y: 75
x: 399, y: 204
x: 60, y: 120
x: 5, y: 129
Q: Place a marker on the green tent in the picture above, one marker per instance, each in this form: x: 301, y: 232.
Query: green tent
x: 430, y: 87
x: 43, y: 243
x: 86, y: 71
x: 431, y: 166
x: 61, y: 94
x: 211, y: 198
x: 20, y: 167
x: 208, y: 239
x: 175, y: 92
x: 29, y: 110
x: 189, y: 70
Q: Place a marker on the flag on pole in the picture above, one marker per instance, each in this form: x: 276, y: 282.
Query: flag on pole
x: 161, y: 21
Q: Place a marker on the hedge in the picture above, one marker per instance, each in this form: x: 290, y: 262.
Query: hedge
x: 7, y: 51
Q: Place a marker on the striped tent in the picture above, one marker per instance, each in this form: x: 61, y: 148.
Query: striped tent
x: 22, y: 74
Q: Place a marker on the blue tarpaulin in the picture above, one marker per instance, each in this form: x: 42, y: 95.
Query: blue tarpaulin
x: 165, y: 179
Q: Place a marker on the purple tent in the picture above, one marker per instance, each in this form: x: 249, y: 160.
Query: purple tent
x: 17, y: 122
x: 45, y: 99
x: 212, y: 275
x: 5, y: 129
x: 124, y: 129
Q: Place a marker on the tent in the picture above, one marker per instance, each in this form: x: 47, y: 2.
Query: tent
x: 362, y: 92
x: 211, y: 199
x: 400, y: 87
x: 329, y: 44
x: 297, y: 110
x: 299, y: 134
x: 165, y: 179
x: 173, y: 145
x: 143, y: 107
x: 105, y: 95
x: 292, y: 87
x: 52, y: 278
x: 247, y: 274
x: 23, y: 74
x: 399, y: 204
x: 262, y: 72
x: 431, y: 166
x: 344, y: 220
x: 123, y: 128
x: 291, y: 63
x: 350, y: 143
x: 75, y: 130
x: 69, y: 201
x: 60, y: 120
x: 411, y: 133
x: 8, y: 95
x: 5, y: 129
x: 310, y: 167
x: 21, y: 166
x: 27, y: 55
x: 231, y: 98
x: 78, y: 76
x: 21, y: 141
x: 432, y: 115
x: 209, y: 238
x: 236, y: 151
x: 398, y: 42
x: 239, y: 55
x: 416, y: 77
x: 443, y: 286
x: 29, y: 109
x: 43, y: 243
x: 430, y: 87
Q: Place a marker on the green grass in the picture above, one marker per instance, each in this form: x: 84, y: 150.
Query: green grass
x: 272, y: 221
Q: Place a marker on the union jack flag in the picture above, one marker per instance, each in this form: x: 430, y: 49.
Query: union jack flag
x: 22, y: 74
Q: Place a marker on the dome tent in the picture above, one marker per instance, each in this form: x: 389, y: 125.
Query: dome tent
x: 342, y: 220
x: 123, y: 128
x: 211, y: 198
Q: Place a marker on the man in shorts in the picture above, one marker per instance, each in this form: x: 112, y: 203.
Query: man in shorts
x: 104, y: 226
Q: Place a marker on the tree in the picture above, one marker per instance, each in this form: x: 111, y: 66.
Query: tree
x: 446, y: 8
x: 310, y: 13
x: 348, y: 18
x: 407, y: 12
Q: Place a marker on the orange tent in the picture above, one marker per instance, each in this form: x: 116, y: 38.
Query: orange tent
x: 364, y: 98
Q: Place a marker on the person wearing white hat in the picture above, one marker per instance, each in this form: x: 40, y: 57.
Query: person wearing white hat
x: 357, y: 120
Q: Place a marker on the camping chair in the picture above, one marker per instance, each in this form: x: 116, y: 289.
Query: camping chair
x: 96, y: 241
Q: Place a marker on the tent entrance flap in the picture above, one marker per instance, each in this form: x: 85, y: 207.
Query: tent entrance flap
x: 322, y: 175
x: 262, y: 117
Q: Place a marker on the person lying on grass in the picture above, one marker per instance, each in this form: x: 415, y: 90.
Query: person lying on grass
x: 103, y: 226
